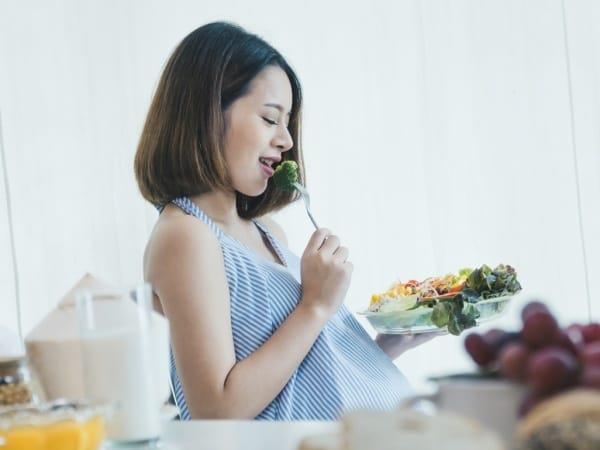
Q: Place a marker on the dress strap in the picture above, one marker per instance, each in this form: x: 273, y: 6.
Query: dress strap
x: 191, y: 208
x: 272, y: 240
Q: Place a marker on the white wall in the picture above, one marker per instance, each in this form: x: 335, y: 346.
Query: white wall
x: 9, y: 316
x: 583, y: 35
x: 437, y: 135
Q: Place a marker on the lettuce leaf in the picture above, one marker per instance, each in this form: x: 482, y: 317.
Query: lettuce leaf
x: 454, y: 314
x: 484, y: 283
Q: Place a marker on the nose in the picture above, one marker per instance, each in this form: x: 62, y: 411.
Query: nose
x: 283, y: 140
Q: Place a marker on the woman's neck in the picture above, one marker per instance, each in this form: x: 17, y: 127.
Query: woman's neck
x: 220, y: 206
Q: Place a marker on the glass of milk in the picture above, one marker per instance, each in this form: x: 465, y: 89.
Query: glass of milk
x: 125, y: 362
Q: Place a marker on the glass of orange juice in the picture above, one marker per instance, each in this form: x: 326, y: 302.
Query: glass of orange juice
x: 52, y: 427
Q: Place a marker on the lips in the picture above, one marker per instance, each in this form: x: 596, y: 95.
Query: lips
x: 270, y: 160
x: 267, y: 169
x: 267, y: 163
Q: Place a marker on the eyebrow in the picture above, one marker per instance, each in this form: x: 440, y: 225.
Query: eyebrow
x: 277, y: 107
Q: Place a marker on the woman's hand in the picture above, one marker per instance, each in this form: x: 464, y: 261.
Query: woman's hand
x: 394, y: 345
x: 325, y: 272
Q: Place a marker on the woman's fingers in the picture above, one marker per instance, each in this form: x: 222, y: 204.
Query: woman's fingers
x: 317, y: 239
x: 331, y: 245
x: 341, y: 254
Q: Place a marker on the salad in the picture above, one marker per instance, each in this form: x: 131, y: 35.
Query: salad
x: 455, y: 301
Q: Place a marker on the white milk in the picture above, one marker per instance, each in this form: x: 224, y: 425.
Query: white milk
x: 119, y: 368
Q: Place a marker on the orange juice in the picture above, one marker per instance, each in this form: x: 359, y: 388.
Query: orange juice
x: 67, y: 435
x: 79, y: 428
x: 27, y: 437
x: 95, y: 433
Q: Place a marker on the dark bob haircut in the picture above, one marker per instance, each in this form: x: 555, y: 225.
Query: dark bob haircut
x: 181, y: 149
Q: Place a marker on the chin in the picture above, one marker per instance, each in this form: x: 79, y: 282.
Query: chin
x: 254, y: 191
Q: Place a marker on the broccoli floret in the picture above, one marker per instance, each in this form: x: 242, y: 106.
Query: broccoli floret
x: 286, y: 176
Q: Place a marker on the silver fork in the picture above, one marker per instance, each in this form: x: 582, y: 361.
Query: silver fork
x: 306, y: 198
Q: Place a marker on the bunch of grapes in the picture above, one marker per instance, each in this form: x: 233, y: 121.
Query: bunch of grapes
x: 545, y: 357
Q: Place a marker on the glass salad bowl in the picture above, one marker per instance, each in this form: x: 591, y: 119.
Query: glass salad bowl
x: 419, y: 321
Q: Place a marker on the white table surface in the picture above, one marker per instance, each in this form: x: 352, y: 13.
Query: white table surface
x: 240, y: 435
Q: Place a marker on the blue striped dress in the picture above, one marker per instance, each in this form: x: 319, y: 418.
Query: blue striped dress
x: 344, y: 370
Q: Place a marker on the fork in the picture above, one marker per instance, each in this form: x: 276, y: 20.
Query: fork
x: 306, y: 198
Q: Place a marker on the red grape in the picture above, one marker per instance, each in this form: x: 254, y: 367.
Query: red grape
x: 590, y: 377
x: 591, y: 332
x: 479, y: 349
x: 531, y: 307
x: 590, y: 354
x: 497, y: 339
x: 551, y: 369
x: 513, y: 361
x: 494, y: 337
x: 539, y: 329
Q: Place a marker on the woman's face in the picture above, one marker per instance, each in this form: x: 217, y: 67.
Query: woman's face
x: 257, y: 132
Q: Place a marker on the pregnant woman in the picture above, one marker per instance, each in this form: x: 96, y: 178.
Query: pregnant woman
x: 256, y: 331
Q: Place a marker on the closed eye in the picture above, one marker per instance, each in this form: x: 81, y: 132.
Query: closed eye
x: 269, y: 121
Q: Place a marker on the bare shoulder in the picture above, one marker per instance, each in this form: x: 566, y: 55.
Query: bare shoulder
x: 175, y: 230
x: 178, y: 241
x: 274, y: 228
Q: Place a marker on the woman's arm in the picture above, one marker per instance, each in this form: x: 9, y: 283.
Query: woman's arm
x: 186, y: 269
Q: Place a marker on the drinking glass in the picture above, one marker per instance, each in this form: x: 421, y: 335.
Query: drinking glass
x: 125, y: 362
